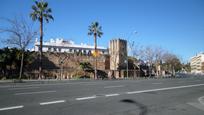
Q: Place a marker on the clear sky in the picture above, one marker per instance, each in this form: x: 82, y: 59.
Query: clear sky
x: 175, y: 25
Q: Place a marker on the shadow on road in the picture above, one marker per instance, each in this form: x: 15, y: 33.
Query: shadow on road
x: 142, y: 107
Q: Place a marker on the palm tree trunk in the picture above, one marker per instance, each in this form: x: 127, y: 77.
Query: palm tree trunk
x: 41, y: 40
x: 95, y: 50
x: 21, y: 68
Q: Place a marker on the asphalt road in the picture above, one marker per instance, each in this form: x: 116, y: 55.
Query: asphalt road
x: 183, y: 96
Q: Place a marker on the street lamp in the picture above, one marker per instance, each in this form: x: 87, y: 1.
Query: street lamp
x: 131, y: 46
x: 126, y: 61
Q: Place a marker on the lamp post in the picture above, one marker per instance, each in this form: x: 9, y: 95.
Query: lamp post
x: 131, y: 46
x: 126, y: 61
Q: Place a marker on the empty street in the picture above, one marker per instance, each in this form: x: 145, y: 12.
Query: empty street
x: 179, y: 96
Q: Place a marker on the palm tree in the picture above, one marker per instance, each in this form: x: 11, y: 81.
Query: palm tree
x: 95, y: 30
x: 41, y: 12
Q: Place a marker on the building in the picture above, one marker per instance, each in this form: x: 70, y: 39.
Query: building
x: 118, y: 53
x: 60, y: 45
x: 118, y: 57
x: 197, y: 64
x: 112, y: 61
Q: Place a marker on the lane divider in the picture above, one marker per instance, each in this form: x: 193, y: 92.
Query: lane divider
x: 13, y: 107
x: 111, y: 95
x: 52, y: 102
x: 86, y: 98
x: 163, y: 89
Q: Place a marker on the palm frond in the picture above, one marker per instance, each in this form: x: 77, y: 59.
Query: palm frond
x: 45, y: 4
x: 95, y: 29
x: 41, y: 9
x: 49, y: 10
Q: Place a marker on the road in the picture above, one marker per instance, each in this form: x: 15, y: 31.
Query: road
x: 178, y: 96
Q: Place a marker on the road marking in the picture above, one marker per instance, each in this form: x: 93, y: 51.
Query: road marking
x: 197, y: 105
x: 201, y: 100
x: 13, y: 107
x: 39, y: 92
x: 111, y: 95
x: 52, y: 102
x: 157, y: 83
x: 23, y: 88
x: 163, y: 89
x: 85, y: 98
x: 114, y: 86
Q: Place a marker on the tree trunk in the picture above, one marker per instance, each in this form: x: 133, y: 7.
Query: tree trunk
x: 41, y: 43
x: 95, y: 50
x: 21, y: 68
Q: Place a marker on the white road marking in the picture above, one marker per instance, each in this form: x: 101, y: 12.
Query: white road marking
x: 157, y: 83
x: 13, y: 107
x: 52, y: 102
x: 85, y: 98
x: 201, y: 100
x: 111, y: 95
x: 163, y: 89
x: 39, y: 92
x: 114, y: 86
x: 19, y: 88
x: 197, y: 105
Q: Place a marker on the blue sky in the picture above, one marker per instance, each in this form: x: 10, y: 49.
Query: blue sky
x: 175, y: 25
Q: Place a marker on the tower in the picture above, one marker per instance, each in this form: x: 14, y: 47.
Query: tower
x: 118, y: 53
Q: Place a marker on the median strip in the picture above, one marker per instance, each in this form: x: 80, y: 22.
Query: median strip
x: 13, y: 107
x: 52, y: 102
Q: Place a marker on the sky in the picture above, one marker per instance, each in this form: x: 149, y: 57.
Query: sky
x: 174, y: 25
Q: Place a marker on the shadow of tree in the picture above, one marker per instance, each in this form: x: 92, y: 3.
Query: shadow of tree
x: 142, y: 107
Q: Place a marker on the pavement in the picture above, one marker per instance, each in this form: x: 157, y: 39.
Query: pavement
x: 178, y: 96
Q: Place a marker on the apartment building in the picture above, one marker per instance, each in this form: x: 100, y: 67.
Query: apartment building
x: 197, y: 64
x: 60, y: 45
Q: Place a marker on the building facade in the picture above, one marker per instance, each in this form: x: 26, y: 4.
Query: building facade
x: 60, y: 45
x: 197, y: 64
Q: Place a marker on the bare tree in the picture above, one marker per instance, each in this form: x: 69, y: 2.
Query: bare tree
x: 20, y: 34
x: 151, y: 54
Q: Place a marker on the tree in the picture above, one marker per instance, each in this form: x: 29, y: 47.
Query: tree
x: 20, y: 35
x: 187, y: 67
x: 95, y: 30
x: 41, y: 12
x: 172, y: 63
x: 5, y: 60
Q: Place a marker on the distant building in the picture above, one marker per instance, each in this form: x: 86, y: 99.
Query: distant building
x: 60, y: 45
x: 197, y: 64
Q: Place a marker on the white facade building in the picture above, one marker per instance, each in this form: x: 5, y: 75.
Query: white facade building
x: 197, y: 64
x: 60, y: 45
